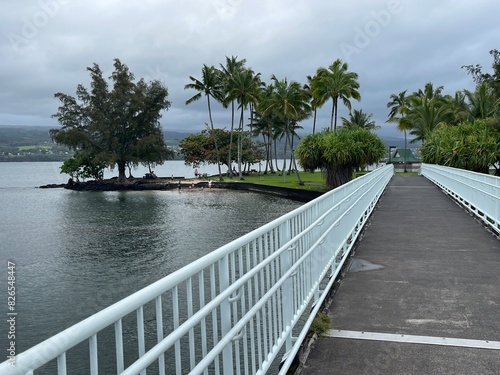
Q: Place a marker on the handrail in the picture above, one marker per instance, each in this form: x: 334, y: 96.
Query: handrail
x: 479, y: 193
x: 233, y: 310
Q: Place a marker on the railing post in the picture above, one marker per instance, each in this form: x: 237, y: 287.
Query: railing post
x: 225, y: 315
x: 279, y: 310
x: 287, y: 289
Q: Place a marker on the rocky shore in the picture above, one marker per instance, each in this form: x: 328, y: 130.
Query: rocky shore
x: 140, y: 184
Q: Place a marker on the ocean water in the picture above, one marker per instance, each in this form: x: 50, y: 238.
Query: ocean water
x: 78, y: 252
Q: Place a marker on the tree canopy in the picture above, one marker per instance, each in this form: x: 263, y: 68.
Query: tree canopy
x: 117, y: 125
x: 199, y: 149
x: 274, y: 110
x: 473, y: 146
x: 289, y: 101
x: 360, y: 119
x: 338, y: 153
x: 210, y: 85
x: 335, y: 83
x: 456, y: 130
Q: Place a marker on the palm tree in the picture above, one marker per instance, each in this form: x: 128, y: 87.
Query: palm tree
x: 400, y: 107
x: 244, y: 86
x: 232, y: 66
x: 210, y: 85
x: 482, y: 102
x: 335, y: 83
x: 428, y: 109
x: 359, y: 119
x: 459, y: 110
x: 426, y: 115
x: 263, y: 127
x: 294, y: 126
x: 429, y: 92
x: 289, y: 101
x: 313, y: 100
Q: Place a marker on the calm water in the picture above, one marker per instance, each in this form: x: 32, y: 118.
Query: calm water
x: 78, y: 252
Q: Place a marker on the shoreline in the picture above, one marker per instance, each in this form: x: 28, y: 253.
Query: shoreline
x: 180, y: 183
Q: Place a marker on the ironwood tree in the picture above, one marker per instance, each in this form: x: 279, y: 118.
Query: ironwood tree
x: 114, y: 124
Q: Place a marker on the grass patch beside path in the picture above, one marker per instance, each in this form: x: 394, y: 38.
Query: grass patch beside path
x: 312, y: 180
x: 406, y: 174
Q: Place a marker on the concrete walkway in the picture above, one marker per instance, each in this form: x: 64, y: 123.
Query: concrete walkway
x: 433, y: 307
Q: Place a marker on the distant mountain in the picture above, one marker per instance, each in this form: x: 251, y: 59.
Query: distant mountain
x: 23, y: 135
x: 33, y: 143
x: 175, y: 135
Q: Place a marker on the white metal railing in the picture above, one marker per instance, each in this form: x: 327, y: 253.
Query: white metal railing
x: 478, y: 192
x: 233, y: 311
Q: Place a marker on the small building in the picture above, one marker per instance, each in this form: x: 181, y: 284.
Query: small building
x: 400, y: 156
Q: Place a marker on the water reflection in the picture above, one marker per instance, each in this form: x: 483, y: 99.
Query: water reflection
x: 79, y: 252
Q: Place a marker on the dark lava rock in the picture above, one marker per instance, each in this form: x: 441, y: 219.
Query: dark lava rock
x: 52, y: 186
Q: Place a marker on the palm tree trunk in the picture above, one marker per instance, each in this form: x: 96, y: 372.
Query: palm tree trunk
x: 217, y: 155
x: 333, y: 113
x: 336, y: 101
x: 270, y: 145
x: 276, y: 155
x: 270, y: 160
x: 295, y: 165
x: 230, y: 158
x: 267, y: 147
x: 314, y: 120
x: 405, y: 153
x: 283, y: 170
x: 240, y: 144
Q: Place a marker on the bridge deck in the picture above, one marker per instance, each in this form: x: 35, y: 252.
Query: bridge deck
x: 434, y: 307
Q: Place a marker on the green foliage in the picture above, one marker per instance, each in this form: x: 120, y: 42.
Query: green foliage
x: 321, y: 323
x: 491, y: 79
x: 483, y: 102
x: 360, y: 119
x: 474, y: 146
x: 114, y: 126
x: 198, y: 149
x: 210, y: 85
x: 310, y: 151
x: 428, y: 109
x: 335, y: 83
x: 339, y: 152
x: 289, y: 102
x: 82, y: 167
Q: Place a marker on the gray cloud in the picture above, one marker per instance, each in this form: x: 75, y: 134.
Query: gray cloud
x: 46, y: 45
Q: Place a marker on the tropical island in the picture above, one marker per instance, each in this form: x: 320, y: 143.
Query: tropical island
x: 116, y: 124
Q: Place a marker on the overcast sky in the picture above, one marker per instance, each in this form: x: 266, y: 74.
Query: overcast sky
x: 46, y: 46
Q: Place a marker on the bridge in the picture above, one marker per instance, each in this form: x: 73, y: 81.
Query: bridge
x: 425, y: 300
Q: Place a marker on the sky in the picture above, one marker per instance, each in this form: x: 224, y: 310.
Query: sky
x: 46, y: 46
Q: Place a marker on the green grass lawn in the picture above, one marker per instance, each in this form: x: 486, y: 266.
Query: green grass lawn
x: 34, y: 147
x: 312, y: 180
